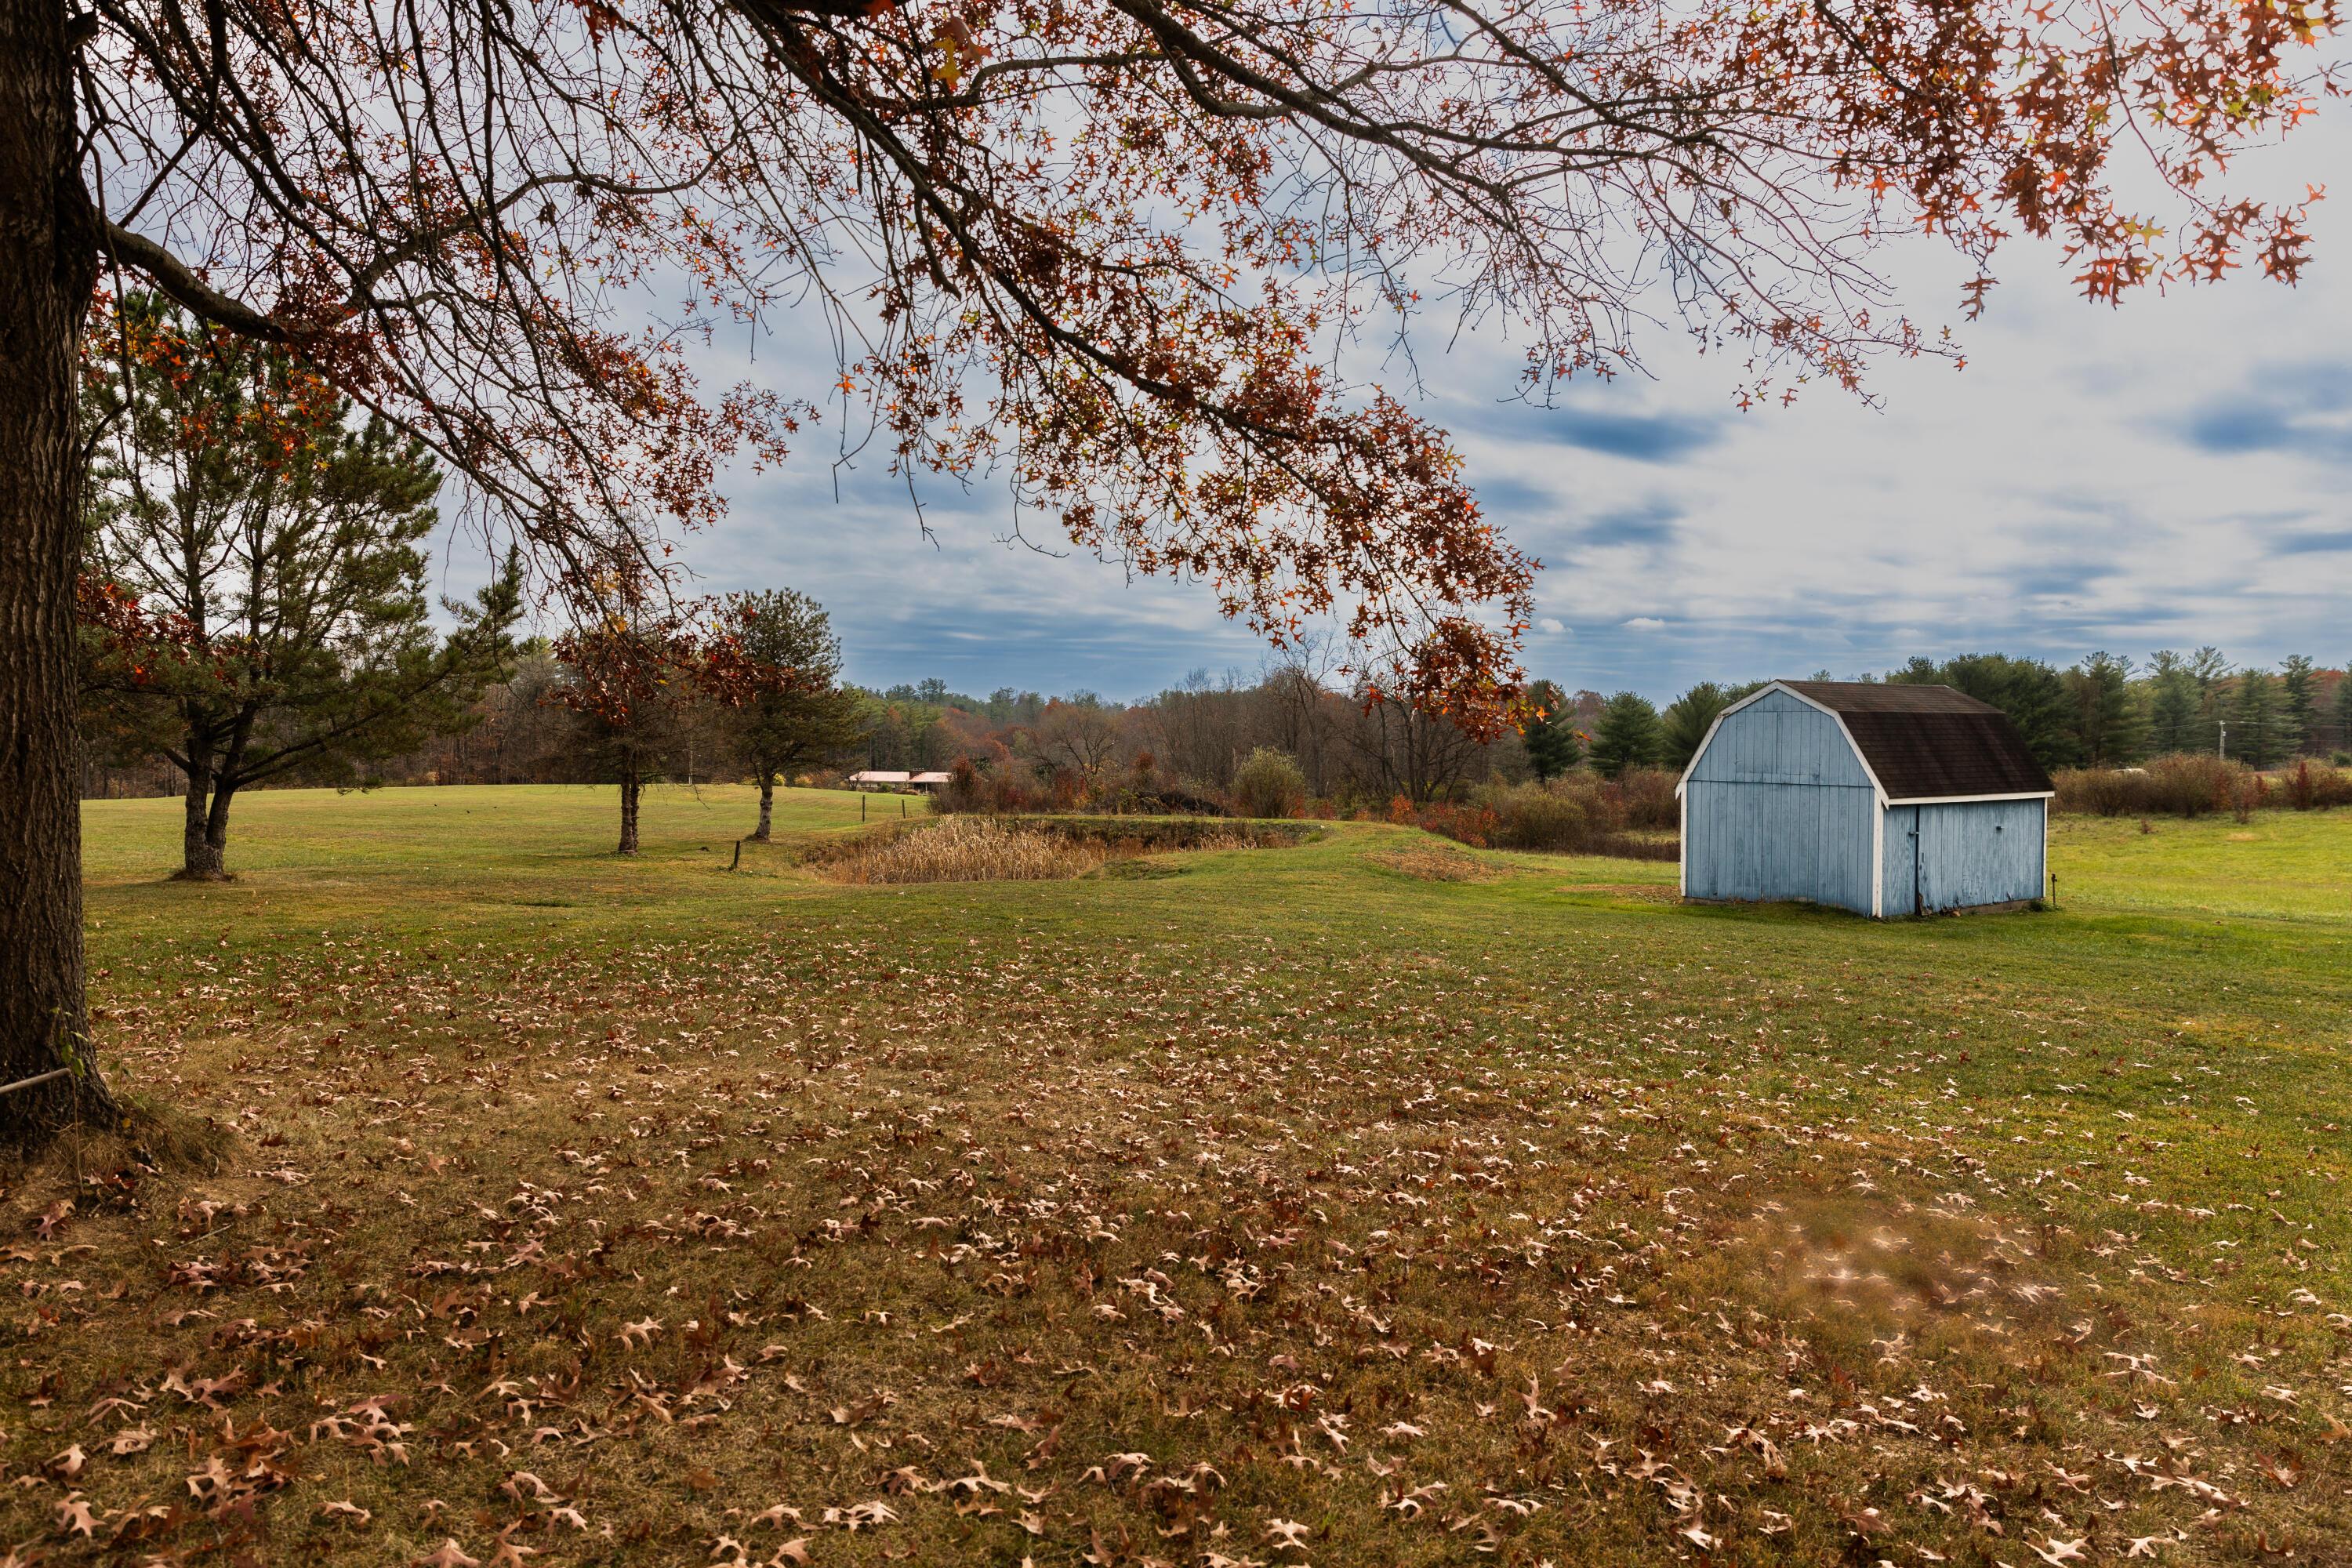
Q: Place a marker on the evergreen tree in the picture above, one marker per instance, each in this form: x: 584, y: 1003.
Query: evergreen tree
x: 1627, y: 736
x: 2343, y: 709
x: 1552, y: 743
x: 2298, y: 706
x: 2257, y: 721
x: 256, y: 564
x: 2108, y: 720
x: 2031, y: 693
x: 2173, y: 703
x: 1684, y: 725
x: 2210, y: 672
x: 803, y: 720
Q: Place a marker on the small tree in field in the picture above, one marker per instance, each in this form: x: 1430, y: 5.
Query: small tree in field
x: 802, y: 716
x: 631, y: 674
x: 255, y: 574
x: 622, y: 682
x: 1553, y: 745
x: 1626, y: 736
x: 1268, y: 783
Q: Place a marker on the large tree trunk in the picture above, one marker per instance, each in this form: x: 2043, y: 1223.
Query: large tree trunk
x: 199, y: 856
x: 48, y: 260
x: 767, y: 803
x: 216, y: 820
x: 629, y: 783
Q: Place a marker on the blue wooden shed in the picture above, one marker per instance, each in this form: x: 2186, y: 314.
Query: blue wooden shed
x: 1882, y: 799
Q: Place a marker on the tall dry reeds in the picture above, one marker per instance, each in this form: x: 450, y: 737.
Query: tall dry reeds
x: 986, y: 849
x: 966, y: 849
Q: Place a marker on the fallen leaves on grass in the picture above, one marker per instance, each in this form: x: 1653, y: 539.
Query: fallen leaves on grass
x: 1138, y: 1251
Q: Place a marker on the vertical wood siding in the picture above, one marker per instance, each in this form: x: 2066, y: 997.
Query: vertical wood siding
x: 1779, y: 807
x: 1975, y: 852
x: 1778, y: 739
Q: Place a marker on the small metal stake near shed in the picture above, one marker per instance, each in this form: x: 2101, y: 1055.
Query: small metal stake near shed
x: 1886, y: 800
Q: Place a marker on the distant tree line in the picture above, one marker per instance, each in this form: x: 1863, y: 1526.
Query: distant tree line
x: 2104, y: 712
x: 255, y: 613
x: 1186, y: 746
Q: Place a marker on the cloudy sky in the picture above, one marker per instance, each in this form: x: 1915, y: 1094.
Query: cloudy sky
x: 2171, y: 473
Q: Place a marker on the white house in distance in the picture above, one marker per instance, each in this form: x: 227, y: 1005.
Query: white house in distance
x: 878, y: 779
x: 1882, y: 799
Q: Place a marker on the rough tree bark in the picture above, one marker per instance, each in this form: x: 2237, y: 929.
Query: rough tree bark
x: 48, y: 260
x: 767, y: 804
x: 204, y: 827
x: 629, y: 785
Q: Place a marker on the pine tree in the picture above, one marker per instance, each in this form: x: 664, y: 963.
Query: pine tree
x: 1686, y: 721
x: 1627, y: 736
x: 2108, y: 719
x: 800, y: 722
x: 2172, y: 703
x: 2343, y: 709
x: 2211, y: 671
x: 2256, y: 719
x: 263, y: 554
x: 2298, y: 706
x: 1552, y: 743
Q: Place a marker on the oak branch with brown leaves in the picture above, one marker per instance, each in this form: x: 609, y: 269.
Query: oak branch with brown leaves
x: 1130, y: 256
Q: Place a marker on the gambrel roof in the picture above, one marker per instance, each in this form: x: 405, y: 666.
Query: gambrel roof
x: 1930, y: 742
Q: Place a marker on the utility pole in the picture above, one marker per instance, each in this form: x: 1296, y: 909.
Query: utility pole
x: 2223, y: 752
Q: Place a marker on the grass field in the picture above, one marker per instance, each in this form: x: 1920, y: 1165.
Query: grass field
x: 1371, y: 1201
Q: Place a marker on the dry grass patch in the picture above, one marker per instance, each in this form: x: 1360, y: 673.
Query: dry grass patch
x: 964, y: 850
x: 1433, y: 863
x: 974, y: 848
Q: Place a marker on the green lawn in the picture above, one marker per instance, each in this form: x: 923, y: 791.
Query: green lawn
x: 1370, y: 1201
x: 432, y: 835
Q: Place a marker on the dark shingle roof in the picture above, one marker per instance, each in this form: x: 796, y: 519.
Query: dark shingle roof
x: 1926, y: 742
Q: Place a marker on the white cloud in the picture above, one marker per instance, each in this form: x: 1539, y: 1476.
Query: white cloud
x: 1645, y: 624
x: 1550, y: 627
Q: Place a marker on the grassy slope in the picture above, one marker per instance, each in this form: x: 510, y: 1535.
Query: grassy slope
x: 1534, y: 1212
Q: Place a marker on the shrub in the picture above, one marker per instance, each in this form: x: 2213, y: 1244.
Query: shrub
x: 1269, y: 783
x: 1647, y: 798
x: 1152, y: 835
x: 2186, y: 784
x: 1576, y: 814
x: 2317, y: 789
x: 1537, y: 816
x: 971, y: 790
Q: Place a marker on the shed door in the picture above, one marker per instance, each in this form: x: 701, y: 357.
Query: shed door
x: 1906, y: 894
